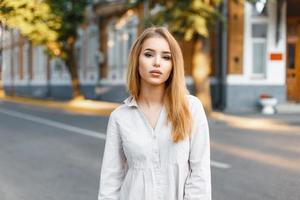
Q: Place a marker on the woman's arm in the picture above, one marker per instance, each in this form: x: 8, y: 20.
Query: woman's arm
x: 114, y: 165
x: 198, y: 183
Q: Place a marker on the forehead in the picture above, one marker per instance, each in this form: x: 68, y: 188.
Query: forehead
x: 156, y: 43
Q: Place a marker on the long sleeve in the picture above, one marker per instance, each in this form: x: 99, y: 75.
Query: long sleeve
x: 114, y: 165
x: 198, y: 183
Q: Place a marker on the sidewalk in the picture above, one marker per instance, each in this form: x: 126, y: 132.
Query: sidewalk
x: 82, y: 106
x: 259, y: 122
x: 288, y: 108
x: 279, y: 121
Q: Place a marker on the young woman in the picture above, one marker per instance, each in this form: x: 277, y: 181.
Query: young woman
x: 157, y: 144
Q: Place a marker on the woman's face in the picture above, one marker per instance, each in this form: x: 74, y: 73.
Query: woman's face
x: 155, y: 61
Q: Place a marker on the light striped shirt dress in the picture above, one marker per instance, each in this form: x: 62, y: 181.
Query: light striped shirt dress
x: 142, y: 163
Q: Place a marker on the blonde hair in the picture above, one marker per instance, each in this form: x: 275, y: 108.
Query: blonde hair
x: 175, y: 100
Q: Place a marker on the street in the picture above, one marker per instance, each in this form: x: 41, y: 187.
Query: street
x: 48, y: 154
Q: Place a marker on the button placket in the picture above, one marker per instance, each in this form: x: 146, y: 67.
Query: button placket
x: 155, y: 150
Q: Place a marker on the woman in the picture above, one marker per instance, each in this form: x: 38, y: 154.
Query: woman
x: 157, y: 144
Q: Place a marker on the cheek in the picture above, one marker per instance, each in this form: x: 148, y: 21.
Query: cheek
x: 141, y: 62
x: 142, y: 67
x: 169, y: 69
x: 141, y: 71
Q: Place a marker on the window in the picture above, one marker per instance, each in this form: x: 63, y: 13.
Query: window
x: 15, y: 61
x: 26, y: 60
x: 59, y: 72
x: 260, y: 8
x: 259, y: 49
x: 120, y: 39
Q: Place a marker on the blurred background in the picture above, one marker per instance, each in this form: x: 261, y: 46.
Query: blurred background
x: 68, y: 60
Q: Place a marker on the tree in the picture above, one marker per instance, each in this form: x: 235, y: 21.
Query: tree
x: 34, y: 20
x: 71, y: 13
x: 52, y: 23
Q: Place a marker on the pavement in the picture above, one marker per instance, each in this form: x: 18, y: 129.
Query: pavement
x: 253, y: 155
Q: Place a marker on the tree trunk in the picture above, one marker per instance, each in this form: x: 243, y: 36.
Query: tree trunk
x: 200, y: 73
x: 72, y: 67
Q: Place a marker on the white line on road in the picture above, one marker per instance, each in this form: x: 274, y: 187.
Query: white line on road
x: 53, y: 124
x: 78, y: 130
x: 219, y: 164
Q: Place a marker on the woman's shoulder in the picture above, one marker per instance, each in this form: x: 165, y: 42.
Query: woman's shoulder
x: 197, y: 109
x: 193, y: 100
x: 195, y: 103
x: 123, y: 110
x: 118, y: 111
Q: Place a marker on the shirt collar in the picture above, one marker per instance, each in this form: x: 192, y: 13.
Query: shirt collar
x: 130, y: 101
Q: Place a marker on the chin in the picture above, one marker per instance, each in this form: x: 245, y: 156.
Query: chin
x: 155, y: 82
x: 158, y: 84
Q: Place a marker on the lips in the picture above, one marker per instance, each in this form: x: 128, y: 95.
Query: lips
x: 156, y: 72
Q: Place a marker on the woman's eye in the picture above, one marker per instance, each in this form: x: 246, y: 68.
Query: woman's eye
x: 148, y: 55
x: 167, y: 57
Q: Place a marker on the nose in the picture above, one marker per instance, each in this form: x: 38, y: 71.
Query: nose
x: 156, y: 62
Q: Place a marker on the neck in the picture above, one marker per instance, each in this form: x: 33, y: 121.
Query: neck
x: 151, y: 95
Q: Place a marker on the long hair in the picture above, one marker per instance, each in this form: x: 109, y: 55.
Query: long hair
x: 175, y: 99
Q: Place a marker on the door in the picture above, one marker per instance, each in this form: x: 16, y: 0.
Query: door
x: 293, y: 59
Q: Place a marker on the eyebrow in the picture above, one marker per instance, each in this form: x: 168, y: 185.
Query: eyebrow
x: 164, y: 52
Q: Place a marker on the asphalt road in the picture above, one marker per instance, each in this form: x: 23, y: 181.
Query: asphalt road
x: 49, y: 154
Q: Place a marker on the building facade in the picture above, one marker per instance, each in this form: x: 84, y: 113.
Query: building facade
x: 264, y: 58
x: 27, y: 70
x: 256, y: 53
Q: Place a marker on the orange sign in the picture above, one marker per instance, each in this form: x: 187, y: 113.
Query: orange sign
x: 275, y: 56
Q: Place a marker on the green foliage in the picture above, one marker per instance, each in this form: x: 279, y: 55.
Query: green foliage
x: 71, y: 13
x: 35, y: 20
x: 47, y: 22
x: 186, y: 19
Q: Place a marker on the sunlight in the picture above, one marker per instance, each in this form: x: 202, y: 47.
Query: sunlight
x: 264, y: 158
x: 91, y: 104
x: 259, y: 124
